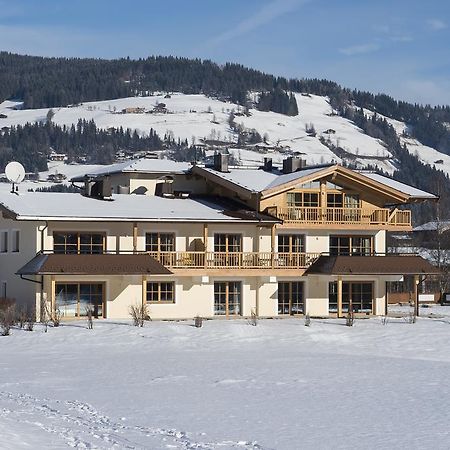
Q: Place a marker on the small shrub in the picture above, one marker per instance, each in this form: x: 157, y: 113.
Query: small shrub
x: 7, y: 320
x: 56, y: 317
x: 22, y: 316
x: 307, y: 320
x: 139, y: 314
x: 198, y: 322
x: 411, y: 317
x: 384, y: 320
x: 350, y: 319
x: 30, y: 324
x: 253, y: 318
x: 90, y: 316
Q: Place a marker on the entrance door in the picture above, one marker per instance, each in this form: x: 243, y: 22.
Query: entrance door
x: 359, y: 293
x: 73, y: 299
x: 227, y: 298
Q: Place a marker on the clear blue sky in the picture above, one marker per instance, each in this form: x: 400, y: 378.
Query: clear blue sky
x: 400, y: 47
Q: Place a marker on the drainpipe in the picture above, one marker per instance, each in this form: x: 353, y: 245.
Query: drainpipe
x: 42, y: 306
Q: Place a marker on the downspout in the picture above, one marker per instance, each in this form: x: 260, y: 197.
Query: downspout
x: 42, y: 306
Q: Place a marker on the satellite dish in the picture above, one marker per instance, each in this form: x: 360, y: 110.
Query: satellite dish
x: 15, y: 173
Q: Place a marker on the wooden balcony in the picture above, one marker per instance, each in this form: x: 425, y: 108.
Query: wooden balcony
x: 381, y: 217
x: 235, y: 260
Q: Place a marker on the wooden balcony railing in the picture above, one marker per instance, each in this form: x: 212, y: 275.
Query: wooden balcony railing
x: 352, y: 216
x: 235, y: 260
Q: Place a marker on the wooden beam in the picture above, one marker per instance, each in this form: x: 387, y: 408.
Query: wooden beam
x: 135, y: 235
x: 416, y: 295
x: 339, y: 296
x: 205, y: 244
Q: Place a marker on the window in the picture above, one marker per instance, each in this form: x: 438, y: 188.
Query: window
x: 161, y: 292
x: 73, y: 299
x: 3, y: 242
x: 78, y: 243
x: 360, y: 295
x: 160, y: 242
x: 15, y: 247
x: 227, y: 298
x: 290, y: 297
x: 291, y: 243
x: 229, y: 243
x: 335, y: 200
x: 302, y: 199
x: 351, y: 245
x: 351, y: 201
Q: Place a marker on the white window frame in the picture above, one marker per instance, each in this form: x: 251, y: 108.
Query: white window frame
x: 15, y: 232
x: 4, y: 240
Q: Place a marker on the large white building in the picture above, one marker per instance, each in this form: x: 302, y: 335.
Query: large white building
x: 208, y: 241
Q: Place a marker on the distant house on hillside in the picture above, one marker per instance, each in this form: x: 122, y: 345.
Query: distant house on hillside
x: 133, y: 110
x: 160, y: 108
x: 57, y: 156
x: 3, y: 116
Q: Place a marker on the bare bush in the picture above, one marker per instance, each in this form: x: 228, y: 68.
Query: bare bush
x: 46, y: 315
x: 350, y: 319
x: 30, y: 323
x: 411, y: 317
x: 384, y: 320
x: 21, y: 317
x: 56, y: 317
x: 307, y: 320
x: 253, y: 318
x: 7, y: 320
x: 90, y: 316
x: 139, y: 314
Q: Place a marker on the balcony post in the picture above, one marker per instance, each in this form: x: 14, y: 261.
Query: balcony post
x: 272, y: 246
x: 323, y: 200
x: 135, y: 233
x: 205, y: 244
x: 339, y: 296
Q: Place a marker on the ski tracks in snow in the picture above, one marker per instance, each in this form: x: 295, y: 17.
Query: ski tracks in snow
x: 79, y: 425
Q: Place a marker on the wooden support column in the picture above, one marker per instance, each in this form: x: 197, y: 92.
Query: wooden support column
x: 205, y: 244
x: 323, y: 199
x: 52, y: 297
x: 135, y: 236
x: 339, y: 296
x: 144, y: 290
x: 416, y: 295
x: 272, y: 246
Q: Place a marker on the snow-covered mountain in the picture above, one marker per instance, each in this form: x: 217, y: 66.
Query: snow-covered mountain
x: 199, y: 119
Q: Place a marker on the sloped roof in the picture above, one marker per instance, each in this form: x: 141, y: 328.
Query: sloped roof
x: 401, y: 187
x: 371, y: 265
x: 123, y: 208
x: 105, y: 264
x: 143, y: 165
x: 257, y: 180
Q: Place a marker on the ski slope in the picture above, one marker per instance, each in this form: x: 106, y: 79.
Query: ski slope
x: 197, y: 118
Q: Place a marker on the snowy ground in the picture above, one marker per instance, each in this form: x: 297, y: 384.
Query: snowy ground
x: 228, y: 385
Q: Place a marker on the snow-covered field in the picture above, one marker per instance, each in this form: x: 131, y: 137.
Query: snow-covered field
x: 228, y: 385
x: 197, y: 117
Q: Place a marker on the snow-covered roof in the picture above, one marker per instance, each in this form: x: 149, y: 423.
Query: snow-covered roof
x: 257, y: 180
x: 122, y: 207
x: 401, y: 187
x: 143, y: 165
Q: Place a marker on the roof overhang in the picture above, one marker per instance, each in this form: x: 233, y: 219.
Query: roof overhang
x: 371, y: 265
x: 102, y: 264
x: 347, y: 177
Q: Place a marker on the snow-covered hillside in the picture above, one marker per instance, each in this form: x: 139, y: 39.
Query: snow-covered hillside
x: 229, y: 385
x: 424, y: 153
x: 197, y: 118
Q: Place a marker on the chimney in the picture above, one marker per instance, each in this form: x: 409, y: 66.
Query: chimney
x: 100, y: 189
x: 221, y: 162
x: 267, y: 164
x: 293, y: 164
